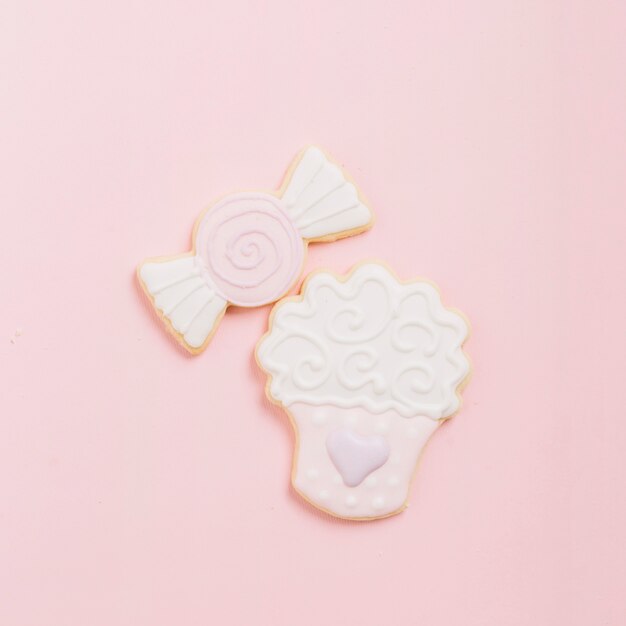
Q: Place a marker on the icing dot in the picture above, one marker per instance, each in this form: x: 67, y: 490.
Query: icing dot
x: 392, y: 481
x: 412, y: 432
x: 351, y: 501
x: 337, y: 479
x: 378, y: 503
x: 313, y: 473
x: 382, y: 427
x: 324, y: 494
x: 371, y: 481
x: 319, y: 417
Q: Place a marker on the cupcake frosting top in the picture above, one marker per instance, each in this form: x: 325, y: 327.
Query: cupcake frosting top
x: 367, y: 340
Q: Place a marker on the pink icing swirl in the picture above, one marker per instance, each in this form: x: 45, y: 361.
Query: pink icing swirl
x: 250, y: 248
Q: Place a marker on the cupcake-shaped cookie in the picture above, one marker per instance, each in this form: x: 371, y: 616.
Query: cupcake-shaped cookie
x: 367, y: 367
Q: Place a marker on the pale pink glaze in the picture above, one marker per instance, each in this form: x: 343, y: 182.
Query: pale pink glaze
x: 250, y: 248
x: 355, y: 463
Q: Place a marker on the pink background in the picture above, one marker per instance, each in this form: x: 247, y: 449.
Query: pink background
x: 140, y: 486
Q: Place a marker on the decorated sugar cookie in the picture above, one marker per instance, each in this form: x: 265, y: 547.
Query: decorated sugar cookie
x: 367, y: 367
x: 248, y: 248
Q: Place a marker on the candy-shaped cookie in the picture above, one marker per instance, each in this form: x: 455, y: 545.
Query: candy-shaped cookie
x: 367, y: 367
x: 249, y: 247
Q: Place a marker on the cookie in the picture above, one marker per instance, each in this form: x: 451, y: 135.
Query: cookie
x: 367, y: 367
x: 249, y: 248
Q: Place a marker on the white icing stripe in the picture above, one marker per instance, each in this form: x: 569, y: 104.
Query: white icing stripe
x: 202, y: 325
x: 161, y: 276
x: 320, y: 200
x: 305, y: 224
x: 307, y: 170
x: 185, y: 296
x: 370, y: 341
x: 175, y: 303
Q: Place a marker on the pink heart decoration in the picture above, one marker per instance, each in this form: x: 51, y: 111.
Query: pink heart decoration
x: 356, y: 456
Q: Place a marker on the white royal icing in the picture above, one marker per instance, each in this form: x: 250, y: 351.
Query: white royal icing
x: 370, y: 341
x: 320, y: 200
x: 185, y: 296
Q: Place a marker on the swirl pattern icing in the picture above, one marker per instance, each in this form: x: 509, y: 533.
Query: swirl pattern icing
x: 250, y: 248
x: 369, y: 341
